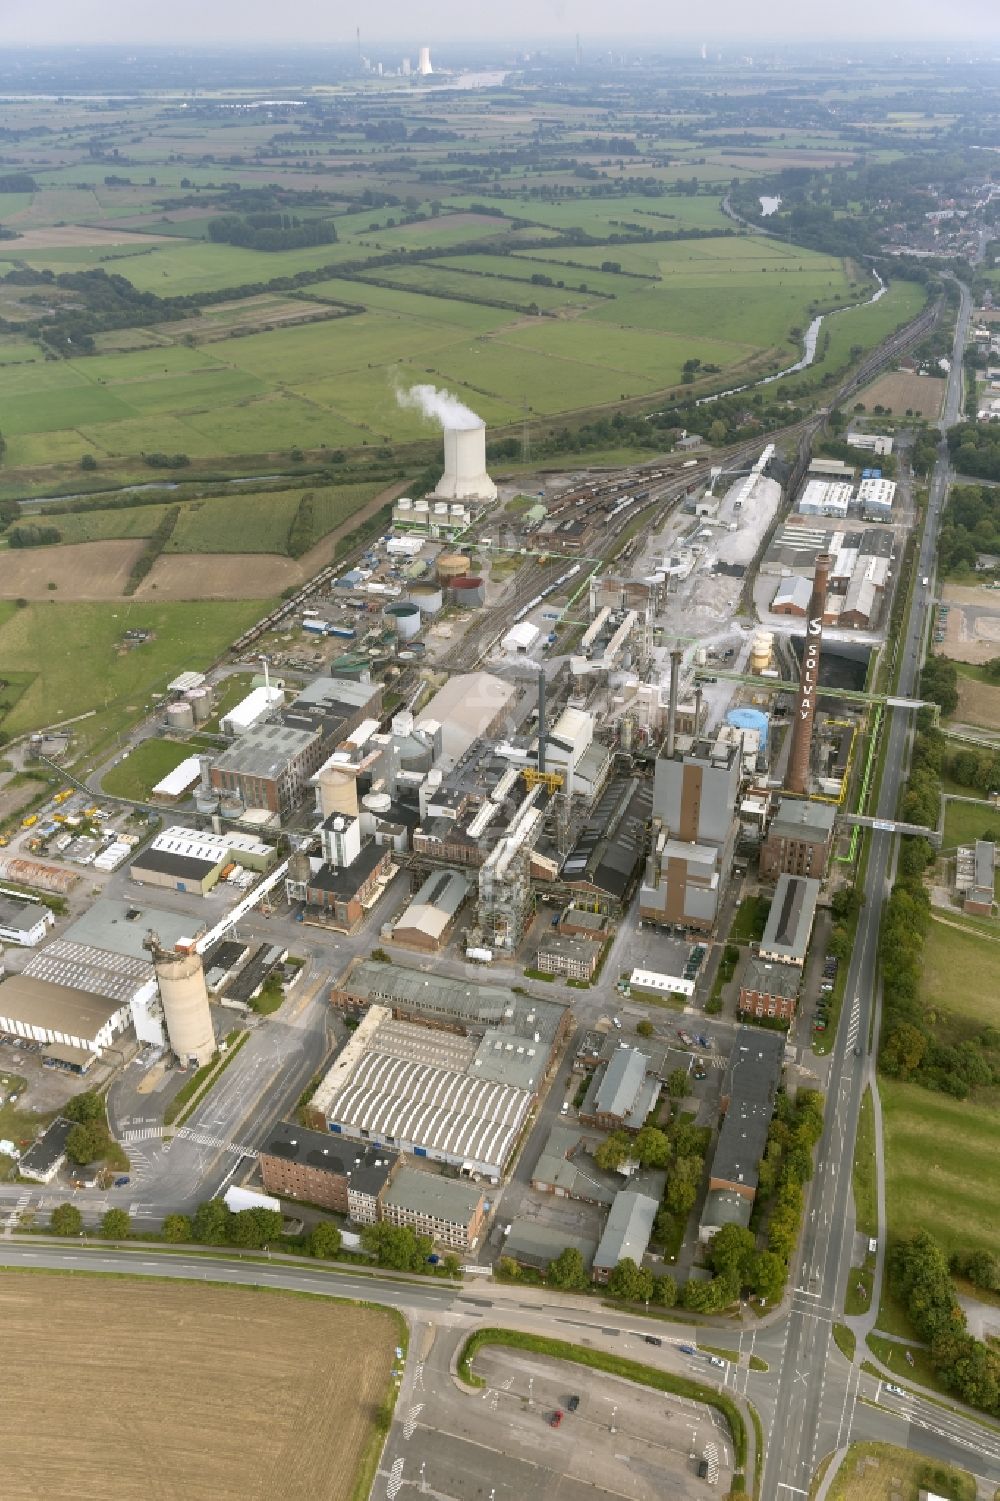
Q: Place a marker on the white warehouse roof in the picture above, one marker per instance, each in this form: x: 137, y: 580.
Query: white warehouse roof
x: 521, y: 637
x: 177, y: 782
x: 250, y: 710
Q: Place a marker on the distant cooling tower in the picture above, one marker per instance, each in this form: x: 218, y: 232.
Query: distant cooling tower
x: 186, y: 1011
x: 424, y: 65
x: 465, y: 476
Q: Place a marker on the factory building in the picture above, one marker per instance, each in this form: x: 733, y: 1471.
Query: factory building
x: 798, y: 839
x: 432, y: 1094
x: 749, y: 1090
x: 62, y: 1016
x: 622, y: 1092
x: 429, y: 919
x: 177, y: 783
x: 877, y: 443
x: 313, y: 1166
x: 346, y: 877
x: 768, y: 990
x: 875, y: 497
x: 605, y: 862
x: 460, y: 1006
x: 695, y: 798
x: 792, y: 597
x: 790, y: 921
x: 826, y: 498
x: 471, y: 706
x: 975, y: 868
x: 182, y: 859
x: 258, y: 705
x: 24, y: 920
x: 627, y: 1232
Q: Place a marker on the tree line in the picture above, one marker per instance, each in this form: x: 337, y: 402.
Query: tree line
x: 919, y: 1277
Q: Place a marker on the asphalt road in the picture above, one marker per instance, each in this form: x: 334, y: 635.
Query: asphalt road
x: 810, y: 1361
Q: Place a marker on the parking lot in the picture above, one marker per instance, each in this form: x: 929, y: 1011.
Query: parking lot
x: 504, y: 1442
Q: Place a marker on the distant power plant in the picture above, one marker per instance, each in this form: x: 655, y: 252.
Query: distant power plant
x: 465, y: 476
x: 424, y: 67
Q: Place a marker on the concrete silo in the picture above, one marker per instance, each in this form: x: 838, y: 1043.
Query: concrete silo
x: 180, y: 715
x: 181, y: 980
x: 428, y: 598
x: 468, y: 590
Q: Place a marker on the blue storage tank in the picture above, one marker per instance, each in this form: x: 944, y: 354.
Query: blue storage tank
x: 750, y: 719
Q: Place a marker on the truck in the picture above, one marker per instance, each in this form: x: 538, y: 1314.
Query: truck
x: 30, y: 821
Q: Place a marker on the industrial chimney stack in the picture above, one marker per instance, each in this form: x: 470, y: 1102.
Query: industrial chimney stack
x: 797, y: 775
x: 676, y: 657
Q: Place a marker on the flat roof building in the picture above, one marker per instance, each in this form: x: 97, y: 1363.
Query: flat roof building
x: 24, y: 920
x: 530, y: 1244
x: 469, y: 707
x: 798, y: 839
x: 980, y: 895
x: 769, y: 990
x: 573, y: 957
x: 318, y: 1168
x: 451, y: 1212
x: 748, y: 1094
x: 183, y: 859
x: 790, y: 921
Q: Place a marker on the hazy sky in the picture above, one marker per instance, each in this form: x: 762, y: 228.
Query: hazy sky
x: 133, y: 22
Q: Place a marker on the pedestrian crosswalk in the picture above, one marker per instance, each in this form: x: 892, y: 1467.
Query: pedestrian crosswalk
x: 136, y: 1134
x: 711, y: 1456
x: 11, y: 1222
x: 854, y: 1022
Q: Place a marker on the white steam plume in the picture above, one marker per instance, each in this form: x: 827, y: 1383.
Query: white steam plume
x: 439, y: 406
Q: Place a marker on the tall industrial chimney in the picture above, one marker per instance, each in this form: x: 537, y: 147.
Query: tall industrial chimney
x: 676, y: 657
x: 797, y: 775
x: 541, y: 719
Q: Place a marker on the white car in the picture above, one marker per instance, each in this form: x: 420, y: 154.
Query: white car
x: 894, y: 1391
x: 716, y: 1360
x: 617, y: 1021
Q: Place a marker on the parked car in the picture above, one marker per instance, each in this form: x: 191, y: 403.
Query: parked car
x: 617, y: 1022
x: 894, y: 1391
x: 686, y: 1349
x: 716, y: 1360
x: 703, y: 1469
x: 555, y: 1418
x: 573, y: 1403
x: 653, y: 1339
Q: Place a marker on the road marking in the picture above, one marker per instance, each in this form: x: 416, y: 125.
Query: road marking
x: 395, y: 1479
x: 410, y: 1422
x: 784, y: 1486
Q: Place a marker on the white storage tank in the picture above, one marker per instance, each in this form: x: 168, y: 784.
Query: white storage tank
x: 374, y: 805
x: 404, y: 503
x: 761, y: 648
x: 200, y: 700
x: 428, y: 598
x: 180, y: 715
x: 404, y: 618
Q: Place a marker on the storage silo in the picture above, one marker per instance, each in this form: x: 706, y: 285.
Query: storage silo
x: 180, y: 715
x: 451, y: 565
x: 761, y: 648
x: 428, y: 598
x: 469, y: 590
x: 404, y: 618
x: 338, y: 791
x: 200, y: 700
x: 181, y: 980
x: 374, y: 805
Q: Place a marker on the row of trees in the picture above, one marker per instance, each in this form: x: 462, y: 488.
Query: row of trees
x: 271, y: 231
x: 975, y: 449
x: 919, y: 1277
x: 30, y: 534
x: 971, y: 524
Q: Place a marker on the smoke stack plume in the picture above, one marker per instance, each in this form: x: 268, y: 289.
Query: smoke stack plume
x: 797, y: 776
x: 439, y: 406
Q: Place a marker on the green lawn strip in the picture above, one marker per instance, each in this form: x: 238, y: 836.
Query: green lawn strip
x: 845, y: 1340
x: 863, y: 1177
x: 856, y: 1302
x: 911, y: 1474
x: 758, y: 1448
x: 147, y: 764
x: 723, y: 1354
x: 615, y: 1365
x: 756, y: 1364
x: 749, y: 920
x: 187, y: 1097
x: 893, y: 1356
x: 964, y: 823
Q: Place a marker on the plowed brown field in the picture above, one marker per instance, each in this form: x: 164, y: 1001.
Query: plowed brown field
x: 156, y: 1391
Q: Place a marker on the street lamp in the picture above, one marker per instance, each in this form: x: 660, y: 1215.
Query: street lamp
x: 614, y: 1414
x: 531, y: 1382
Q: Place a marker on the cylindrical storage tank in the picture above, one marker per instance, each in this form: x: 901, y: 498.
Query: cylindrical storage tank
x: 207, y: 803
x: 750, y: 719
x: 374, y: 806
x: 700, y: 656
x: 404, y: 618
x: 186, y: 1011
x: 469, y: 590
x: 428, y: 598
x: 761, y: 648
x: 338, y: 792
x: 200, y: 700
x: 180, y: 716
x: 451, y: 565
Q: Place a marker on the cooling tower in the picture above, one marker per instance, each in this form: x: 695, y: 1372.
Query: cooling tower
x: 424, y: 67
x: 186, y: 1012
x: 797, y: 776
x: 465, y: 476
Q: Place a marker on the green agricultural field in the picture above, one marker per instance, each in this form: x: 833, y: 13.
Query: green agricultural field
x: 79, y: 662
x: 147, y: 764
x: 104, y: 526
x: 248, y: 522
x: 943, y: 1166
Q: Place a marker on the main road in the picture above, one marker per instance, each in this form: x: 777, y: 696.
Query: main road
x: 810, y: 1361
